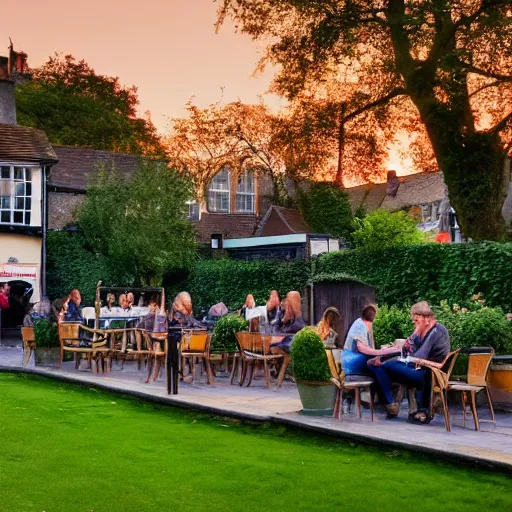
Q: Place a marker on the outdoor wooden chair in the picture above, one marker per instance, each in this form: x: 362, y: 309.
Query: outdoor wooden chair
x: 479, y: 363
x: 29, y: 343
x: 158, y: 345
x: 338, y: 379
x: 253, y: 348
x: 195, y: 348
x: 91, y: 343
x: 440, y: 378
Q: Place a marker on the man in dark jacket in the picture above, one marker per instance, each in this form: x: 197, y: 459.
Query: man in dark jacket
x: 430, y: 342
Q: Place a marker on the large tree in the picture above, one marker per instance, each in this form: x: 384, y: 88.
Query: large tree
x: 449, y: 60
x: 140, y: 226
x: 77, y: 107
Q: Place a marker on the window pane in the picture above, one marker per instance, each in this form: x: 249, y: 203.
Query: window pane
x: 5, y: 202
x: 20, y: 189
x: 5, y: 172
x: 28, y: 174
x: 5, y: 188
x: 19, y: 203
x: 29, y: 189
x: 18, y: 173
x: 220, y: 181
x: 5, y: 217
x: 28, y: 204
x: 246, y: 182
x: 18, y: 218
x: 27, y: 218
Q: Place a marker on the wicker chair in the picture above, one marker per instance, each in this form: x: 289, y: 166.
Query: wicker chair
x: 479, y: 363
x: 95, y: 348
x: 29, y: 343
x: 338, y: 379
x: 253, y: 348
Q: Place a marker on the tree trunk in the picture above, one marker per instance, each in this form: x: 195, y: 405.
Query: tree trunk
x: 473, y: 169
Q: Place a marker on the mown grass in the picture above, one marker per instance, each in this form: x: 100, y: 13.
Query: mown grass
x: 67, y: 448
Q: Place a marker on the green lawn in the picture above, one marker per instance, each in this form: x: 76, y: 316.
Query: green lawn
x: 67, y: 448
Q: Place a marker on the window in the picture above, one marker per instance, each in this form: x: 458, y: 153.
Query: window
x: 193, y: 210
x: 15, y: 194
x: 218, y: 193
x: 245, y: 193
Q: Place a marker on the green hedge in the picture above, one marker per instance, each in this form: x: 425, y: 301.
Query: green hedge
x: 432, y: 272
x: 70, y: 266
x: 230, y: 281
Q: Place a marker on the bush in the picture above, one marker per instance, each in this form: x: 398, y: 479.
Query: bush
x: 475, y: 326
x: 433, y: 272
x: 326, y: 208
x: 45, y: 333
x: 382, y: 229
x: 308, y: 357
x: 230, y: 281
x: 70, y: 266
x: 390, y: 324
x: 224, y: 338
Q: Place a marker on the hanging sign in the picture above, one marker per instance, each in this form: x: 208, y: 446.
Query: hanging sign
x: 11, y: 271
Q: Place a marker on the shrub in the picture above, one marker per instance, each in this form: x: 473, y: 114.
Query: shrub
x: 477, y: 325
x: 70, y: 265
x: 230, y: 281
x: 45, y: 333
x: 390, y: 324
x: 433, y: 272
x: 224, y: 338
x: 308, y: 357
x: 326, y: 208
x: 382, y: 229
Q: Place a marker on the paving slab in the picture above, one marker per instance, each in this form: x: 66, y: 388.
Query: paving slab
x: 492, y: 446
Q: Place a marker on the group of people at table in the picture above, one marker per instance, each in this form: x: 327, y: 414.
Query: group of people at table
x: 359, y: 357
x: 402, y: 362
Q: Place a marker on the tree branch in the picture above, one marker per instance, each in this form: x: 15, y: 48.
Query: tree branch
x: 399, y: 91
x: 501, y: 125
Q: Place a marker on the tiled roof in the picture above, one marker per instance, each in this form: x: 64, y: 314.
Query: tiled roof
x: 77, y: 166
x: 230, y: 225
x: 414, y: 189
x: 282, y: 221
x: 24, y: 144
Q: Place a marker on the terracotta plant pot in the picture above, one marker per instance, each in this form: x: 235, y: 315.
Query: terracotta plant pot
x: 317, y: 398
x: 45, y: 356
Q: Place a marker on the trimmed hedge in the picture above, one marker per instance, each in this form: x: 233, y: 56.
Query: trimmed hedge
x: 230, y: 281
x: 70, y: 266
x: 432, y: 272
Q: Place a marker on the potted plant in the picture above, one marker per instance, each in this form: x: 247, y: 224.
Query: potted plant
x: 47, y: 343
x: 312, y: 374
x: 224, y: 338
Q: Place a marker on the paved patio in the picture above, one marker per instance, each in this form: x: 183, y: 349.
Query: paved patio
x: 491, y: 447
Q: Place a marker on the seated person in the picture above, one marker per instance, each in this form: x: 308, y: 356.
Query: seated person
x: 291, y: 321
x: 430, y: 342
x: 71, y: 309
x: 181, y: 314
x: 273, y: 306
x: 360, y: 346
x: 326, y: 327
x: 250, y: 304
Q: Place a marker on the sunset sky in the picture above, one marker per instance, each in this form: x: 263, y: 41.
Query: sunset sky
x: 167, y: 48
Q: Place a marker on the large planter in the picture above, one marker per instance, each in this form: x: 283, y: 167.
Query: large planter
x: 47, y: 356
x: 317, y: 398
x: 500, y: 383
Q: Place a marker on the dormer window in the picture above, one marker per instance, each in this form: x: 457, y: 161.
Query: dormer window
x: 245, y: 193
x: 15, y: 194
x: 218, y: 192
